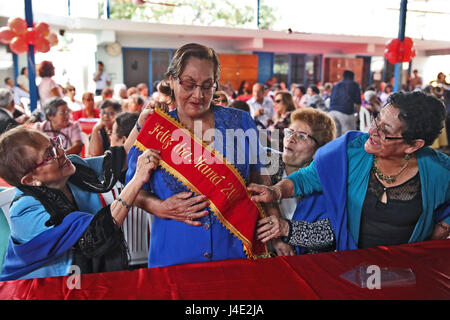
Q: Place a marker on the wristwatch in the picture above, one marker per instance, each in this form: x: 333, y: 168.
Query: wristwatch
x: 138, y: 127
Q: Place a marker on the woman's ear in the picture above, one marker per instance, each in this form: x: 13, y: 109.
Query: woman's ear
x: 171, y: 82
x: 28, y: 180
x: 416, y: 145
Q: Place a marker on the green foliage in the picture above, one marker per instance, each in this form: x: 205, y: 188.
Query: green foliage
x: 197, y: 12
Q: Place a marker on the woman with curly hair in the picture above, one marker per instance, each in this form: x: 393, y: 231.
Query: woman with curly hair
x: 390, y: 186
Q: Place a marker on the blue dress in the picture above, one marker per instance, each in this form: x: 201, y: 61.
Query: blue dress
x: 28, y: 217
x: 173, y: 242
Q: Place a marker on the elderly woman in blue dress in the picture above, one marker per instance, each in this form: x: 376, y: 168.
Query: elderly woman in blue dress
x: 392, y: 187
x: 185, y: 230
x: 56, y: 217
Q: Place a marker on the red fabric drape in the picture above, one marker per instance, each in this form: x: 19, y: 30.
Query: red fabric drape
x: 300, y: 277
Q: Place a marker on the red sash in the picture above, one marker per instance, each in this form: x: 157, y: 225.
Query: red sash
x: 205, y: 171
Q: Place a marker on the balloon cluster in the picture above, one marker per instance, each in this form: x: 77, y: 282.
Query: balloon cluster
x: 400, y: 51
x: 18, y: 35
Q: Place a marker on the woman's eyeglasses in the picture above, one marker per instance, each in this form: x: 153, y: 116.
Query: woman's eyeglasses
x: 382, y: 131
x: 299, y: 135
x: 51, y: 154
x: 190, y: 86
x: 107, y: 113
x: 224, y: 101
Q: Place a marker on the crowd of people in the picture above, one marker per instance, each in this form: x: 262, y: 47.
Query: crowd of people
x: 309, y: 180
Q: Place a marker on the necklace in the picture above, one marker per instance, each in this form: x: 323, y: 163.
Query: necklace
x: 384, y: 177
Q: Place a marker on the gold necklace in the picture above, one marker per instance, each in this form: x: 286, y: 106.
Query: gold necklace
x: 385, y: 177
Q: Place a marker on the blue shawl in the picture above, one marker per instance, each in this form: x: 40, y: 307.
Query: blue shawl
x: 22, y: 259
x: 331, y: 165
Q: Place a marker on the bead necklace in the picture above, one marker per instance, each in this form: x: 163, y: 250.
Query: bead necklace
x: 384, y: 177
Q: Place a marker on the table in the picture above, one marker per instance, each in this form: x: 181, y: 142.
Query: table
x: 286, y: 278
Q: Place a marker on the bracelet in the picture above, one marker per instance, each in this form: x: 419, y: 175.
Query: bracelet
x: 122, y: 202
x: 275, y: 188
x: 138, y: 127
x: 287, y: 238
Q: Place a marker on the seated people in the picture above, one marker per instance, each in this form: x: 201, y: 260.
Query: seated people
x: 100, y: 139
x: 72, y: 103
x: 123, y: 124
x: 388, y: 183
x: 7, y: 120
x: 284, y: 105
x: 135, y: 103
x: 87, y: 111
x: 58, y: 123
x: 56, y: 212
x: 261, y: 107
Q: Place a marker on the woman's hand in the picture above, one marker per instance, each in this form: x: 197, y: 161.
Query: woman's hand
x: 262, y: 193
x: 147, y: 161
x: 271, y: 227
x: 144, y: 115
x: 183, y: 207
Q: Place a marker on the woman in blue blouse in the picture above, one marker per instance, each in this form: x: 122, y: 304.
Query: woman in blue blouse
x: 57, y: 219
x: 184, y: 229
x: 391, y: 185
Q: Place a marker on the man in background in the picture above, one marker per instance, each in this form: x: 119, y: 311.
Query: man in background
x: 345, y: 101
x: 101, y: 78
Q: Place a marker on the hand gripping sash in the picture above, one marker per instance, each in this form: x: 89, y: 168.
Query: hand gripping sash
x: 205, y: 171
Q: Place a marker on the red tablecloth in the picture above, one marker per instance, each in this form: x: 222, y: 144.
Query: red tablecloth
x: 301, y: 277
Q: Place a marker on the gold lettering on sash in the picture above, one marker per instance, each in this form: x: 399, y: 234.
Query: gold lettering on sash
x: 183, y: 152
x: 162, y: 136
x: 230, y: 192
x: 206, y: 170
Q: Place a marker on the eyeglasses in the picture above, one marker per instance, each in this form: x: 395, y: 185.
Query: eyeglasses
x: 65, y: 112
x: 52, y: 153
x: 299, y: 135
x: 190, y: 86
x: 382, y: 131
x: 220, y: 101
x: 107, y: 113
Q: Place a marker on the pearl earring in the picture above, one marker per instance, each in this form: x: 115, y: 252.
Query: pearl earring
x: 38, y: 183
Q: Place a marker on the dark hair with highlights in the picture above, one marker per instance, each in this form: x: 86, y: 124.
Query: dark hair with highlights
x: 180, y: 59
x: 423, y: 115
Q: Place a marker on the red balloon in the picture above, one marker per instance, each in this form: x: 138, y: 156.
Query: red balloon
x: 6, y: 35
x: 42, y: 45
x: 32, y: 35
x: 43, y: 28
x: 18, y: 45
x: 392, y: 51
x: 407, y: 50
x: 17, y: 25
x: 52, y: 38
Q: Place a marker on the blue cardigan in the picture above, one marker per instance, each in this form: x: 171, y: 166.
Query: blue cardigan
x: 346, y: 160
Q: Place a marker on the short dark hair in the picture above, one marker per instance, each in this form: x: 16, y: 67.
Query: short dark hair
x: 302, y: 88
x: 422, y: 114
x: 111, y: 103
x: 348, y: 75
x: 314, y: 89
x: 125, y: 122
x: 241, y: 105
x: 51, y: 106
